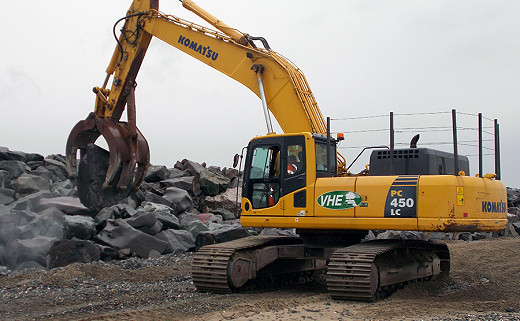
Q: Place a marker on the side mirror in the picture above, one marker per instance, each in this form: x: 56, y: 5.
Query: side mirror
x: 235, y: 160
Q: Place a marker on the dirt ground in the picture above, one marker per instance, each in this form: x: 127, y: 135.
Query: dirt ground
x: 484, y: 285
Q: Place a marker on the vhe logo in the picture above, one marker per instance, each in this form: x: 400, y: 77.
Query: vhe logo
x: 339, y: 200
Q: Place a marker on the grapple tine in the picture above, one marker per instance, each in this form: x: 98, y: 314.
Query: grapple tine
x: 128, y: 158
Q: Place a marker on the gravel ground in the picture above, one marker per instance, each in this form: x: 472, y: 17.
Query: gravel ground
x: 484, y: 285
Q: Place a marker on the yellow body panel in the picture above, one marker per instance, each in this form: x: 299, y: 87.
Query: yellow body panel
x: 441, y: 203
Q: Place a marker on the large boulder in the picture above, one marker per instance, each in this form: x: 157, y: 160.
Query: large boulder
x: 30, y: 202
x: 163, y: 213
x: 27, y: 184
x: 187, y: 183
x: 513, y: 197
x: 67, y: 204
x: 146, y: 222
x: 63, y: 188
x: 119, y: 234
x: 193, y: 224
x: 114, y: 212
x: 5, y: 179
x: 57, y: 165
x: 13, y: 167
x: 79, y: 227
x: 39, y: 225
x: 221, y: 235
x: 225, y: 204
x: 35, y: 249
x: 66, y: 252
x: 7, y: 196
x: 179, y: 240
x: 212, y: 184
x: 179, y: 199
x: 156, y: 173
x: 93, y: 167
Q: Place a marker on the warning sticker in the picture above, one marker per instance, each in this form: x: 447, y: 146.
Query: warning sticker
x: 460, y: 195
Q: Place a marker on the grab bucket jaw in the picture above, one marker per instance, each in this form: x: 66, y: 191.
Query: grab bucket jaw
x: 129, y: 154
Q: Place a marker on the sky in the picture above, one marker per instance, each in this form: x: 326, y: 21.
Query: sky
x: 361, y: 58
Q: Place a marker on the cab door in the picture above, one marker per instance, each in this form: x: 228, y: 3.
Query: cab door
x: 294, y: 181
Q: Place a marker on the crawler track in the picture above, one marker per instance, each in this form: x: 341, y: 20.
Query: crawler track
x: 210, y: 263
x: 357, y: 272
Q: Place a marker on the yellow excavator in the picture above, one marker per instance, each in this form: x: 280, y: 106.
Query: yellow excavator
x: 294, y: 180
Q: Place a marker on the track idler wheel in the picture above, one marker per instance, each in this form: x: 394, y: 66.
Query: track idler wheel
x: 104, y: 178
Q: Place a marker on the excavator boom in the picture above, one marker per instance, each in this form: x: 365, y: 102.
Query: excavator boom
x: 279, y: 83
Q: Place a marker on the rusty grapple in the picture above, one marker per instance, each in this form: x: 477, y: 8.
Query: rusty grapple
x: 104, y: 177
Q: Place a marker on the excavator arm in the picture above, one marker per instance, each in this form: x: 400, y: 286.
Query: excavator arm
x: 286, y: 93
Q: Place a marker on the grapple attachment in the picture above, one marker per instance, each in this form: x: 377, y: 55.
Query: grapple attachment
x: 126, y: 166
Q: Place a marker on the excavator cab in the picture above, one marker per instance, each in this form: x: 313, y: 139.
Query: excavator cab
x: 275, y: 166
x: 280, y: 165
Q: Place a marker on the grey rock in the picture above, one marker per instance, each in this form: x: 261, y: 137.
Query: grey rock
x: 481, y: 236
x: 179, y: 240
x: 108, y: 253
x: 278, y: 232
x: 13, y: 167
x: 6, y: 154
x: 221, y: 235
x: 27, y: 184
x: 66, y: 252
x: 156, y: 173
x: 30, y: 250
x: 7, y: 196
x: 29, y: 265
x: 388, y: 235
x: 5, y: 179
x: 440, y: 236
x: 93, y: 166
x: 207, y: 218
x: 51, y: 164
x: 516, y: 226
x: 39, y: 225
x: 67, y: 204
x: 466, y: 237
x: 35, y: 164
x: 212, y: 184
x: 115, y: 212
x: 163, y: 213
x: 45, y: 174
x: 146, y: 222
x: 63, y: 188
x: 154, y: 198
x: 195, y: 227
x: 120, y: 235
x: 179, y: 199
x: 175, y: 173
x: 187, y: 183
x: 53, y: 213
x: 227, y: 200
x: 80, y: 227
x: 154, y: 207
x: 30, y: 202
x: 10, y: 221
x: 513, y: 197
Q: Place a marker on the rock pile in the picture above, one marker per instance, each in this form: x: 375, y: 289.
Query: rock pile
x: 179, y: 209
x: 43, y: 223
